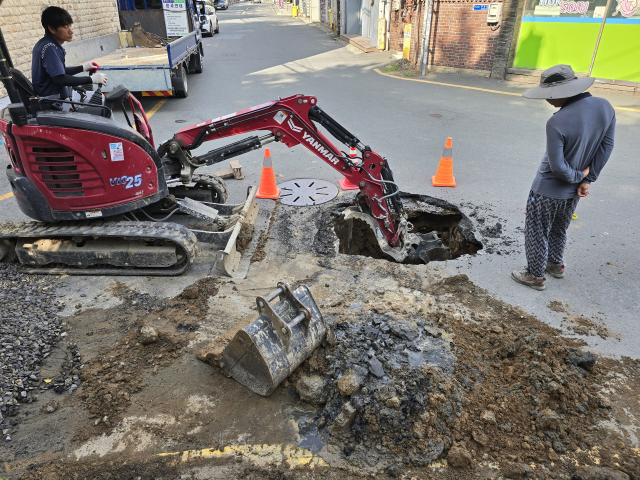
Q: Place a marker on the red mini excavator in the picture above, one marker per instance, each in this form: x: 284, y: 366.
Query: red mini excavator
x: 103, y: 194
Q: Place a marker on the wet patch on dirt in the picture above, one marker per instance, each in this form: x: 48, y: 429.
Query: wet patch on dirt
x: 260, y: 252
x: 244, y: 237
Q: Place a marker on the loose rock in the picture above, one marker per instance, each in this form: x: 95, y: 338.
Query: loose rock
x: 489, y: 417
x: 345, y: 417
x: 599, y: 473
x: 348, y: 384
x: 393, y: 402
x: 310, y: 389
x: 548, y: 420
x: 584, y: 360
x: 458, y: 457
x: 148, y: 335
x: 513, y: 469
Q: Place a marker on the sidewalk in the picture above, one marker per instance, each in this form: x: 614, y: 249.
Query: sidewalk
x: 620, y: 100
x: 286, y: 10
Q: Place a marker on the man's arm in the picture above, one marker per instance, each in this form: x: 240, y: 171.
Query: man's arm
x: 557, y: 162
x: 602, y: 154
x: 73, y: 70
x: 71, y: 81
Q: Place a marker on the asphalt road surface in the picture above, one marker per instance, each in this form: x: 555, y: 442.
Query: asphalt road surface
x: 498, y: 140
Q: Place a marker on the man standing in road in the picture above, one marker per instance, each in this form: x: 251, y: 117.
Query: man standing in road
x: 50, y: 75
x: 579, y: 143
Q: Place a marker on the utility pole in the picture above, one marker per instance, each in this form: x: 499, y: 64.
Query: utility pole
x: 426, y: 33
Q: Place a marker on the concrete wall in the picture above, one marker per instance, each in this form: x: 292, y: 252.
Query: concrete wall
x: 20, y: 23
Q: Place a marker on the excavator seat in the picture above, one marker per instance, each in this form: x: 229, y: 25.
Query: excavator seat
x: 24, y: 87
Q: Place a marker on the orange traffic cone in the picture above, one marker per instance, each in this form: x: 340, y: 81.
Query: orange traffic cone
x: 344, y: 183
x: 268, y: 188
x: 444, y: 175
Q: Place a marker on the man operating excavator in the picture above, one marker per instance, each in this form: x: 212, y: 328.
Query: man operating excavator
x: 50, y: 75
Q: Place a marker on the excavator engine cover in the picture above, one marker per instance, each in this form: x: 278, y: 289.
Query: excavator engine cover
x: 270, y: 348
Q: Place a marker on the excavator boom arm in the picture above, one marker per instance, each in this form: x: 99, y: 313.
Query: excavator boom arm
x: 292, y: 121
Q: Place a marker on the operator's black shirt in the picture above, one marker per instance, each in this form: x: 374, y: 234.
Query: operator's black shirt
x: 47, y: 61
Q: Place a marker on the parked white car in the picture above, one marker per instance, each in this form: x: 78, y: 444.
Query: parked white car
x: 208, y: 18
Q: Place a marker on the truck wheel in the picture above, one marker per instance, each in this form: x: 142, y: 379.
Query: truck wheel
x: 179, y: 82
x: 196, y: 62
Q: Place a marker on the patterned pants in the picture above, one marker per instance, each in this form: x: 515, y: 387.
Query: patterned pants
x: 545, y: 230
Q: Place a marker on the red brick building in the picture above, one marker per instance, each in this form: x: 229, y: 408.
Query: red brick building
x: 460, y: 38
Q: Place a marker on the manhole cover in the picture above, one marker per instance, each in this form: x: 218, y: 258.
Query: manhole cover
x: 307, y: 191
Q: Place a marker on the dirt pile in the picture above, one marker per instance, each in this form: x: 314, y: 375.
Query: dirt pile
x: 473, y: 373
x: 388, y: 389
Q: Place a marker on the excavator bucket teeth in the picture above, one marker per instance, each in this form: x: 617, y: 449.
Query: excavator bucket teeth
x: 270, y: 348
x: 359, y: 231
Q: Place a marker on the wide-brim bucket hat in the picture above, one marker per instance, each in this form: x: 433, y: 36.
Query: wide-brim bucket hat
x: 559, y: 81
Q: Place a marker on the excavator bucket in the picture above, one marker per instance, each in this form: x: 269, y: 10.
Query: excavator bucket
x: 359, y: 231
x: 270, y: 348
x: 238, y: 217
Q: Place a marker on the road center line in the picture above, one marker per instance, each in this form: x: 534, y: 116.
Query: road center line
x: 156, y: 107
x: 476, y: 88
x: 6, y: 195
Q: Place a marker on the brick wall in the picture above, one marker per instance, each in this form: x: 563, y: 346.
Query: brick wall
x: 21, y: 27
x: 411, y: 11
x: 460, y: 37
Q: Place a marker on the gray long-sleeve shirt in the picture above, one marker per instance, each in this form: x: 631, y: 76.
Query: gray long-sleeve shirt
x: 580, y: 134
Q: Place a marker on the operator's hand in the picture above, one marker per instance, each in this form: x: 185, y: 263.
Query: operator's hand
x: 90, y: 66
x: 583, y: 189
x: 585, y: 172
x: 99, y: 78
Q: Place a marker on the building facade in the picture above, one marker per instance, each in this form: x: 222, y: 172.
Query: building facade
x: 21, y: 27
x: 598, y: 38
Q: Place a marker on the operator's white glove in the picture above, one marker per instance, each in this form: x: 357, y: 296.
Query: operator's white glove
x: 99, y: 78
x: 90, y: 66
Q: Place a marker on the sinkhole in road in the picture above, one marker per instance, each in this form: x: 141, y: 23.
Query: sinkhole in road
x: 427, y: 215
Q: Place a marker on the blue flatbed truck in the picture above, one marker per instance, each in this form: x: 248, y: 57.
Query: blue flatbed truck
x: 160, y: 70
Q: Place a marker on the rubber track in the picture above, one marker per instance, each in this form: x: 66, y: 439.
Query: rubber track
x: 179, y: 235
x: 213, y: 181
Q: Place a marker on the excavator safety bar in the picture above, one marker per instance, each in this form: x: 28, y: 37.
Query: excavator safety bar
x: 292, y: 121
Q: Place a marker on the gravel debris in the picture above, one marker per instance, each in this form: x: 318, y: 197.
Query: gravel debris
x: 29, y: 330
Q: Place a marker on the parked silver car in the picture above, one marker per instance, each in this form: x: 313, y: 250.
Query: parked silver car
x: 208, y: 18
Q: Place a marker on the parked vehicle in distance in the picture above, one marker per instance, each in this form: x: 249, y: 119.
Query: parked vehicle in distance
x: 256, y: 1
x: 208, y: 18
x: 220, y: 4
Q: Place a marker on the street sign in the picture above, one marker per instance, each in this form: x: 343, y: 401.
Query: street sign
x: 479, y: 7
x: 177, y: 23
x: 173, y: 5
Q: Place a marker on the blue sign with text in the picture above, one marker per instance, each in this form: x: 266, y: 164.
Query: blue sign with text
x: 478, y: 7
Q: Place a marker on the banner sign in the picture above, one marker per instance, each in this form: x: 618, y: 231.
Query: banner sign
x: 173, y: 5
